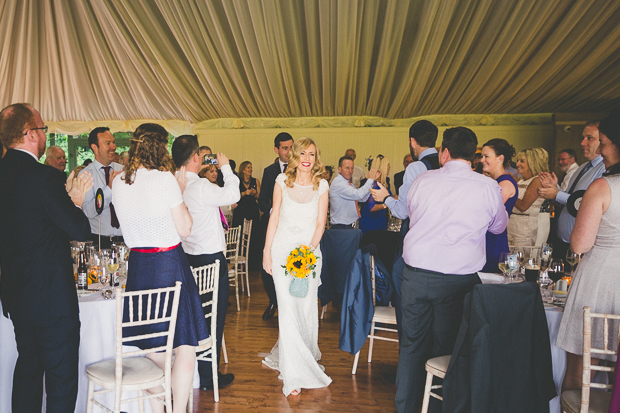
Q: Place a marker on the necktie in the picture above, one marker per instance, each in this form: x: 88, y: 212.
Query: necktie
x: 113, y: 218
x: 357, y: 209
x: 581, y: 174
x: 284, y: 166
x: 223, y: 219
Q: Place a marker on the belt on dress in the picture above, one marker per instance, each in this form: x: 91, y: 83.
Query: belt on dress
x: 151, y: 250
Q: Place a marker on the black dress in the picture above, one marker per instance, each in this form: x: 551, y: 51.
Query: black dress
x: 247, y: 208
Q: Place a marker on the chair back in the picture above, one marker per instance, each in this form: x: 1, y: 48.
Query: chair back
x: 161, y: 305
x: 232, y: 244
x: 588, y: 351
x: 208, y: 280
x: 244, y: 247
x: 373, y: 280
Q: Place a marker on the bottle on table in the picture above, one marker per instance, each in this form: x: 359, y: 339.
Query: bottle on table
x: 82, y: 272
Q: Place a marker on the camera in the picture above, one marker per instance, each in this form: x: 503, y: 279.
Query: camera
x: 210, y: 159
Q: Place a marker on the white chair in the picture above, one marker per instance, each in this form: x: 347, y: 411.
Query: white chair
x: 584, y: 401
x: 208, y: 281
x: 438, y: 367
x: 128, y: 372
x: 383, y: 315
x: 242, y: 261
x: 232, y: 256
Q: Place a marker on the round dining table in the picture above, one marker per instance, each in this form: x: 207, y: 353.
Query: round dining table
x: 97, y: 343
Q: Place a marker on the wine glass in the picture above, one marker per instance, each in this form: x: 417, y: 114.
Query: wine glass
x: 111, y: 265
x: 545, y: 255
x: 573, y: 259
x: 555, y: 272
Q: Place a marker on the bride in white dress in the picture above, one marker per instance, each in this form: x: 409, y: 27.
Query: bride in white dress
x: 298, y: 218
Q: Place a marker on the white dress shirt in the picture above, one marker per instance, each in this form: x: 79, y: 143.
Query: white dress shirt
x: 567, y: 177
x: 203, y: 200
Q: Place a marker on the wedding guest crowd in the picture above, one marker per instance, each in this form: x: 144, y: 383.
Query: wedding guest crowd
x: 455, y: 223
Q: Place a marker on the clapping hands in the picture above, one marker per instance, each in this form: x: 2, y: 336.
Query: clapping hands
x: 549, y: 184
x: 77, y: 187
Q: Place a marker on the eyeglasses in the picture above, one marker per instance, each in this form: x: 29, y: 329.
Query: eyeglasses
x: 43, y: 128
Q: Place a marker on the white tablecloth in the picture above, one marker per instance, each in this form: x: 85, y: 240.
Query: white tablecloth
x: 558, y: 356
x: 97, y: 342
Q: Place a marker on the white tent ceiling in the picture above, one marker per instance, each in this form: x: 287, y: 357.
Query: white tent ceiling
x: 197, y: 60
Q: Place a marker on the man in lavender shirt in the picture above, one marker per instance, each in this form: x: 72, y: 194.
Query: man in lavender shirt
x: 450, y: 209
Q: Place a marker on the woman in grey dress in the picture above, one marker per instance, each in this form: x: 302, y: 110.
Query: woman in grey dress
x: 597, y: 235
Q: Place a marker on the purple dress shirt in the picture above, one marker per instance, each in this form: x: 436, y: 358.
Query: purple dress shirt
x: 451, y: 209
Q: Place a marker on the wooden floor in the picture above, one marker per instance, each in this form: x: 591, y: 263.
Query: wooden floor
x: 257, y: 388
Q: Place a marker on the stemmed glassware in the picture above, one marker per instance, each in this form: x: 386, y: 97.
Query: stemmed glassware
x: 545, y: 256
x: 573, y: 259
x: 509, y: 266
x: 555, y: 272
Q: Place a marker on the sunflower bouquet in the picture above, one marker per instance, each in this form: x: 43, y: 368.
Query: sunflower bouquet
x: 301, y: 262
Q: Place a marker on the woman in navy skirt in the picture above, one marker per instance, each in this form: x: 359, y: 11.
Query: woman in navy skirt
x: 147, y: 199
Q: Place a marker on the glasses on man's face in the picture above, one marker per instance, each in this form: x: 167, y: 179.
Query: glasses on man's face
x: 43, y: 128
x: 563, y: 159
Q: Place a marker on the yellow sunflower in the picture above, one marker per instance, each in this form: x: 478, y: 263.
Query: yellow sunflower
x: 311, y: 260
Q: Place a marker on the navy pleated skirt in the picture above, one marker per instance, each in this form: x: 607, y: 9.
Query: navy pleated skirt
x: 159, y: 270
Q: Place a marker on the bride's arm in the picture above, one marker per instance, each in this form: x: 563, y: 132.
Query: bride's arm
x: 321, y: 219
x: 274, y: 218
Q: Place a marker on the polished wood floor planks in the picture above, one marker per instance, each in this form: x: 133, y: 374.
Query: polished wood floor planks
x: 256, y: 387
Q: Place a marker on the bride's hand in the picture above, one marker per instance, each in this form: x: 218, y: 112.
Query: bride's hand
x: 267, y: 263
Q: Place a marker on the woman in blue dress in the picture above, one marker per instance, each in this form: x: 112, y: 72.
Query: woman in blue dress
x: 374, y: 215
x: 496, y: 156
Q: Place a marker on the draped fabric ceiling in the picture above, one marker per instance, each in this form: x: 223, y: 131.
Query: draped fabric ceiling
x: 206, y: 60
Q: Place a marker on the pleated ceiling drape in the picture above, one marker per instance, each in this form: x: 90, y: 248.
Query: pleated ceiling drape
x: 203, y: 60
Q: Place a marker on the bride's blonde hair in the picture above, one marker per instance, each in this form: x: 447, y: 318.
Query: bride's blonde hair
x: 293, y: 161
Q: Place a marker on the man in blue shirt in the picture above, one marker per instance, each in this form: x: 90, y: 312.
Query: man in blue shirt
x: 581, y: 180
x: 103, y: 171
x: 422, y: 139
x: 343, y: 196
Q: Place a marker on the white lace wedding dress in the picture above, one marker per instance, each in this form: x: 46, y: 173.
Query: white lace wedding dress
x: 296, y: 353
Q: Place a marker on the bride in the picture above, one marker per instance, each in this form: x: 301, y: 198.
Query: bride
x: 297, y: 218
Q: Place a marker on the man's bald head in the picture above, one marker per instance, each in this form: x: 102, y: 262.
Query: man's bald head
x: 56, y: 158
